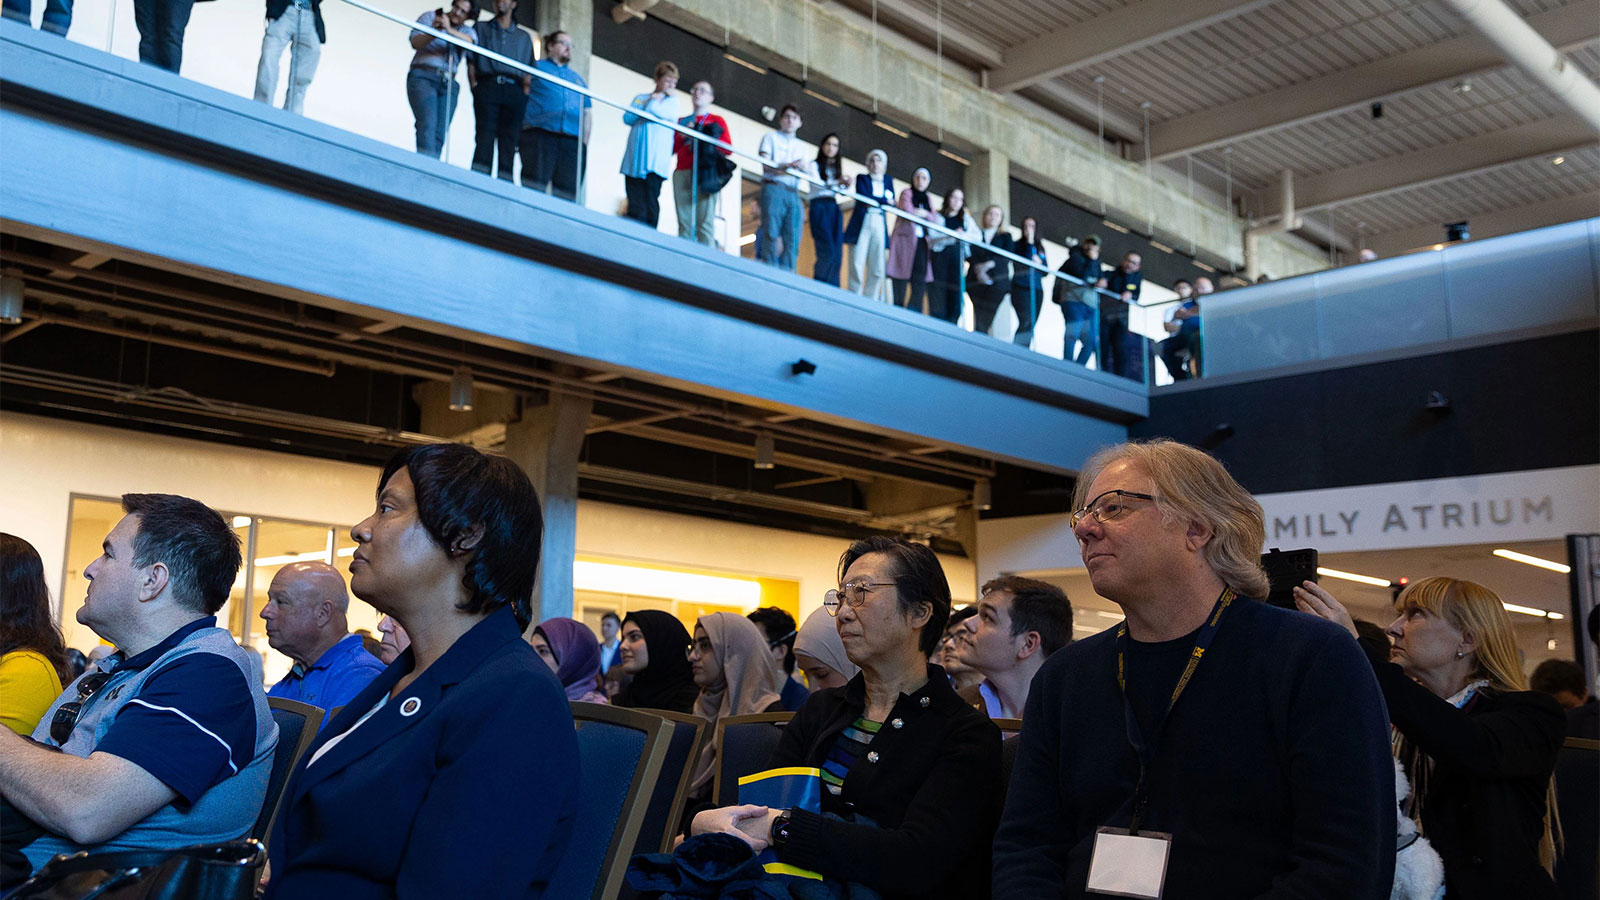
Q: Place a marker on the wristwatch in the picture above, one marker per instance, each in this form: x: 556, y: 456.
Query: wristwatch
x: 779, y: 834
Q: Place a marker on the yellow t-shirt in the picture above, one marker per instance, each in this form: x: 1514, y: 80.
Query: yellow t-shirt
x: 28, y: 685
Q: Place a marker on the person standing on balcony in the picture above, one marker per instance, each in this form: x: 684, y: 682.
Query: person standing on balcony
x: 780, y: 191
x: 297, y: 25
x: 1027, y: 282
x: 868, y: 231
x: 695, y: 186
x: 1078, y: 299
x: 1182, y: 323
x: 944, y: 298
x: 431, y: 84
x: 910, y: 262
x: 161, y: 24
x: 827, y: 223
x: 989, y: 273
x: 555, y: 127
x: 1120, y: 348
x: 499, y: 91
x: 648, y: 158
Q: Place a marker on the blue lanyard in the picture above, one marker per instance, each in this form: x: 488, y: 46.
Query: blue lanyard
x: 1146, y: 750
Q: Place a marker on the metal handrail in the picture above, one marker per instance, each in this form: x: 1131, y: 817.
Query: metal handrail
x: 731, y: 150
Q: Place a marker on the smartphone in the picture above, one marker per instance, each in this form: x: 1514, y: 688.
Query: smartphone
x: 1286, y: 569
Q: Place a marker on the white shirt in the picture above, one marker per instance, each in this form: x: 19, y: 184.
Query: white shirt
x: 780, y: 148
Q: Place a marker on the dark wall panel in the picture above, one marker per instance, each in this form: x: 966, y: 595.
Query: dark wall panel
x: 1531, y: 404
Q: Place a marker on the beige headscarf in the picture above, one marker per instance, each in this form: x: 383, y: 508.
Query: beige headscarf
x: 819, y: 639
x: 751, y: 681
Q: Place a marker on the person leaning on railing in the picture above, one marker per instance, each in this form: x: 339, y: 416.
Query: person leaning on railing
x: 989, y: 273
x: 696, y: 182
x: 431, y: 82
x: 647, y: 159
x: 867, y: 235
x: 1026, y: 281
x: 945, y: 296
x: 1078, y: 299
x: 499, y: 91
x: 555, y: 124
x: 910, y: 774
x: 1477, y: 745
x: 910, y: 262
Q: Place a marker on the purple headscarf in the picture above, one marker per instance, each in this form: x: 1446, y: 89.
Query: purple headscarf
x: 577, y: 653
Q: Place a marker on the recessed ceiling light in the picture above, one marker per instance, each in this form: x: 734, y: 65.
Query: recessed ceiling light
x: 1351, y: 576
x: 1558, y: 160
x: 1542, y: 563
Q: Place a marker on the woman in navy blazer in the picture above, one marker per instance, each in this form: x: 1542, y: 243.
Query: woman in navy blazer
x: 454, y: 773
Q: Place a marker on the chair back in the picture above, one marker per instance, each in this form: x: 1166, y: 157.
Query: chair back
x: 661, y: 819
x: 622, y: 752
x: 1008, y: 727
x: 745, y: 745
x: 297, y: 728
x: 1578, y: 802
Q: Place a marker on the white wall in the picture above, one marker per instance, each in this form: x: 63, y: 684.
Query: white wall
x: 49, y: 460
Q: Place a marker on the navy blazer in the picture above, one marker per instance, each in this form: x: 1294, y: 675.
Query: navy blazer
x: 858, y: 214
x: 464, y: 785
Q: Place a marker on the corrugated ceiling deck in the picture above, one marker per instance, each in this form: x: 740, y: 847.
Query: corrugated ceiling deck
x: 1003, y: 23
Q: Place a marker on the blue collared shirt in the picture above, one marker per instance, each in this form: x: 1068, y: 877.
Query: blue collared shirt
x: 334, y: 679
x: 552, y: 107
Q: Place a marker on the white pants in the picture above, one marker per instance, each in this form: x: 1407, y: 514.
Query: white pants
x: 296, y: 29
x: 869, y: 257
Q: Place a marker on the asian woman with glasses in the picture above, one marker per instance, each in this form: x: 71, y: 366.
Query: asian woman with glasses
x: 910, y: 774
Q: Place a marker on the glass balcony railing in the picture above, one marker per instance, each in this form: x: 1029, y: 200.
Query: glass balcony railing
x: 470, y: 92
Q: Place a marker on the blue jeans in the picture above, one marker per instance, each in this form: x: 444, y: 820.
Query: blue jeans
x: 433, y: 94
x: 1081, y: 327
x: 780, y: 225
x: 57, y: 14
x: 161, y: 24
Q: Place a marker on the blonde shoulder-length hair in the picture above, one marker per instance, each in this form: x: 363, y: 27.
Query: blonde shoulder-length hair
x: 1191, y: 486
x: 1476, y: 612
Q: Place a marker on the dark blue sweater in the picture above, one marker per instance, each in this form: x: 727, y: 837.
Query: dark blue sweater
x: 1274, y: 775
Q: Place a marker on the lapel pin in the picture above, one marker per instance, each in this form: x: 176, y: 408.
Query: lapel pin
x: 410, y: 706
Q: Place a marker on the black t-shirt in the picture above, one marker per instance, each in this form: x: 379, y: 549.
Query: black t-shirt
x: 1153, y: 671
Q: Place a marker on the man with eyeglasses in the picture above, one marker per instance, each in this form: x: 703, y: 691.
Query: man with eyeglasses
x: 1210, y: 746
x: 168, y: 742
x: 779, y: 629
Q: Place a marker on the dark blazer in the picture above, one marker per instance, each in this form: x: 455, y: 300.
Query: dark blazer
x: 858, y: 213
x: 464, y: 785
x: 1001, y: 273
x: 276, y: 8
x: 932, y: 790
x: 1483, y: 809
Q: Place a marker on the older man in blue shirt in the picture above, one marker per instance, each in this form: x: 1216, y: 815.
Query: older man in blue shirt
x: 305, y: 615
x: 554, y: 123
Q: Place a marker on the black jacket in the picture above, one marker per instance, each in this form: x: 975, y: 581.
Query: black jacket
x: 1001, y: 272
x: 1484, y: 806
x: 276, y: 8
x: 933, y: 790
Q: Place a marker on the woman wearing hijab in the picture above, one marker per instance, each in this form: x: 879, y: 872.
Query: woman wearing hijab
x: 867, y: 235
x: 737, y: 677
x: 910, y: 261
x: 820, y: 654
x: 652, y: 652
x: 571, y: 651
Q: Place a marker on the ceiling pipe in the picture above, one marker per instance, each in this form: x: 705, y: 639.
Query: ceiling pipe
x: 1526, y: 49
x: 1284, y: 222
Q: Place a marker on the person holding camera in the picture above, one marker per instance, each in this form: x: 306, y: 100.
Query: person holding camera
x: 431, y: 84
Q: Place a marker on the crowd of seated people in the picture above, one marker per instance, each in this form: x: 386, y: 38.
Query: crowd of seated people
x: 1209, y: 746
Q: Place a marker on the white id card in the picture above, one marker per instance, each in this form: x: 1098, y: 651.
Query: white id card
x: 1128, y: 865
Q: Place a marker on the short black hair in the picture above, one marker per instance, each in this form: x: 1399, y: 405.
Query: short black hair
x: 919, y: 577
x: 1556, y: 675
x: 459, y: 488
x: 1092, y: 239
x: 1036, y: 606
x: 196, y: 544
x: 778, y: 627
x: 608, y: 614
x: 1182, y: 281
x: 789, y: 107
x: 959, y: 616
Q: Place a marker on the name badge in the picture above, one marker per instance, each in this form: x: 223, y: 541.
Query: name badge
x: 1129, y: 865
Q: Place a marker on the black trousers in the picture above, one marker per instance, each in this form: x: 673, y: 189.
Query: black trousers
x: 497, y: 110
x: 986, y: 300
x: 908, y: 292
x: 827, y: 239
x: 644, y: 197
x: 1025, y: 297
x: 944, y: 297
x: 161, y: 24
x: 551, y: 162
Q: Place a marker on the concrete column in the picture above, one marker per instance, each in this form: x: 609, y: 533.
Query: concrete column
x: 988, y: 180
x: 575, y: 17
x: 546, y: 442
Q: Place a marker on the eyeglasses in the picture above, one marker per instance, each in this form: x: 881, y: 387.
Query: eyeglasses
x: 1107, y: 506
x: 702, y: 647
x: 853, y: 593
x: 779, y: 639
x: 66, y: 717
